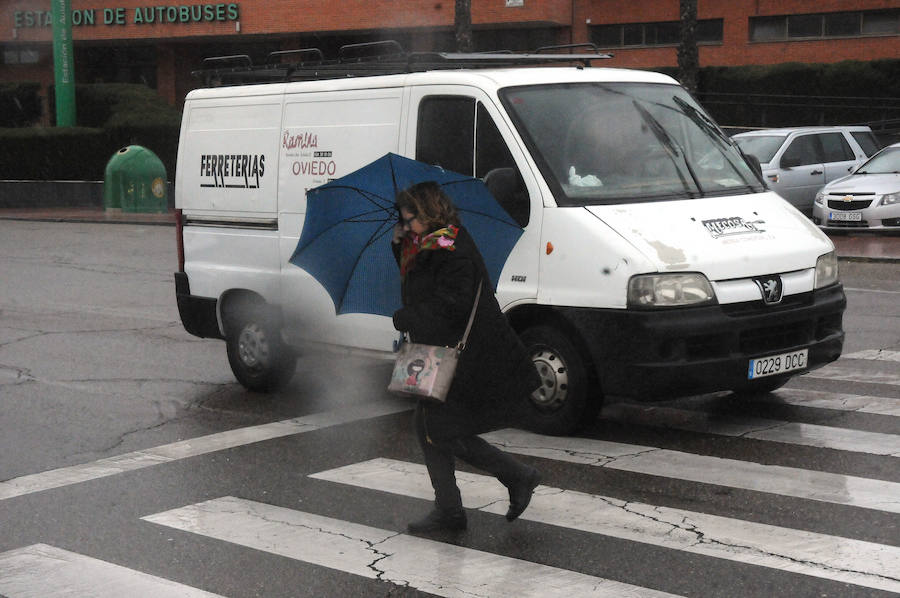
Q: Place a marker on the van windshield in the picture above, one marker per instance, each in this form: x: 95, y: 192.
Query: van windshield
x: 602, y: 143
x: 761, y: 146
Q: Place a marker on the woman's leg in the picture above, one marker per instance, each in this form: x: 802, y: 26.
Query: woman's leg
x: 439, y: 461
x: 448, y: 513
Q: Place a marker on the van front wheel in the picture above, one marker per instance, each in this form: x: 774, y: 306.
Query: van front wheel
x: 258, y: 358
x: 563, y: 402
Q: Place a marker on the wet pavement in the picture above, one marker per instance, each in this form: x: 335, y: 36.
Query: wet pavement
x: 857, y: 245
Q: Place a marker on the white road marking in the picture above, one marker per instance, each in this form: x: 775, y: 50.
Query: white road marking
x: 42, y: 571
x: 828, y: 557
x: 836, y: 372
x: 835, y: 401
x: 65, y: 476
x: 842, y: 439
x: 772, y: 479
x: 874, y: 354
x: 433, y: 567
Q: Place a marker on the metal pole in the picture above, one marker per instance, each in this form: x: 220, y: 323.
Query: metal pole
x: 63, y: 63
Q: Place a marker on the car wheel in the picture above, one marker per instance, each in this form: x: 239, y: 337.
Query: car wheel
x: 258, y: 358
x: 563, y: 402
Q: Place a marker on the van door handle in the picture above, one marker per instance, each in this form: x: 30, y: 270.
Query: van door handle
x: 815, y: 172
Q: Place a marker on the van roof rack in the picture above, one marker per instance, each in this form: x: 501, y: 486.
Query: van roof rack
x: 375, y: 58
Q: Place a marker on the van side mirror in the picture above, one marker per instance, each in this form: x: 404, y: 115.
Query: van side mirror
x: 754, y: 164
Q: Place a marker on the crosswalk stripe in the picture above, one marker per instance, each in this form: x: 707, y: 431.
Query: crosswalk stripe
x: 773, y: 479
x: 65, y: 476
x: 426, y: 565
x: 843, y: 374
x: 835, y: 401
x: 874, y: 354
x: 42, y: 571
x: 829, y: 557
x: 843, y: 439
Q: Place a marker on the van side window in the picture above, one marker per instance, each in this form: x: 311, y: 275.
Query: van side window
x: 836, y: 148
x: 803, y: 150
x: 458, y: 133
x: 446, y: 133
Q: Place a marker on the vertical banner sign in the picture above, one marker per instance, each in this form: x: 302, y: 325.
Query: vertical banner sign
x: 63, y: 63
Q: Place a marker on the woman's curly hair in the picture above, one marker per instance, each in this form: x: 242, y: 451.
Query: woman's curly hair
x: 429, y: 204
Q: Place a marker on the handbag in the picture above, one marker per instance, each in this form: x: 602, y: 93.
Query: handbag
x: 426, y: 371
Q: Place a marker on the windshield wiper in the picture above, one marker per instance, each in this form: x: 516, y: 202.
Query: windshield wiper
x: 702, y: 121
x: 713, y: 132
x: 672, y: 149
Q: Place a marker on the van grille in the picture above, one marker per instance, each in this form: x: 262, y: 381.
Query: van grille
x: 774, y: 338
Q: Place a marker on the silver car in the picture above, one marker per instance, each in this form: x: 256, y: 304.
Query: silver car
x: 868, y: 198
x: 796, y: 162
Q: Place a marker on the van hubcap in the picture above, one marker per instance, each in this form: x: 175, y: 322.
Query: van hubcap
x: 554, y: 380
x: 253, y: 347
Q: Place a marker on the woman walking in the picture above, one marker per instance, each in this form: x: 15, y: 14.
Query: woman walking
x: 441, y: 271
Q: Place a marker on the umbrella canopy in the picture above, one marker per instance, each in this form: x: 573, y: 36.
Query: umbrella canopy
x: 346, y: 237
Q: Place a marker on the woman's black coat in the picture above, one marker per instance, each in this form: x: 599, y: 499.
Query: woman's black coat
x: 495, y: 375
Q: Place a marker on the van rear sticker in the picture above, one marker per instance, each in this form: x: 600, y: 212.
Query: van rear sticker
x: 233, y: 171
x: 735, y: 225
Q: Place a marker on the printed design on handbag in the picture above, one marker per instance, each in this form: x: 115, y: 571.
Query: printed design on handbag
x: 414, y: 368
x: 421, y: 370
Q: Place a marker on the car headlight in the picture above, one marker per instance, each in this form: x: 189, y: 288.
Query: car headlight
x: 669, y: 290
x: 890, y: 199
x: 826, y: 270
x: 820, y: 198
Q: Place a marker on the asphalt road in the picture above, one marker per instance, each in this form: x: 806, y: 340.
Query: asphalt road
x: 133, y: 464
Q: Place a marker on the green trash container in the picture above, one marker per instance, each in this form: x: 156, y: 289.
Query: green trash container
x: 135, y: 181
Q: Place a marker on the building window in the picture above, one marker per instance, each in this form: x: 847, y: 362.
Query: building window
x: 20, y: 56
x: 666, y: 33
x: 817, y: 26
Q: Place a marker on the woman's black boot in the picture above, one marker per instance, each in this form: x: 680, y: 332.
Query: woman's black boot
x: 440, y: 520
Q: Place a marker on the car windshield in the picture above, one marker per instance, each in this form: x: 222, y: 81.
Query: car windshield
x: 885, y: 162
x: 763, y: 147
x: 600, y: 143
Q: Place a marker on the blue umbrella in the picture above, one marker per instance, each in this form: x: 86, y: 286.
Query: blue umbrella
x: 346, y: 238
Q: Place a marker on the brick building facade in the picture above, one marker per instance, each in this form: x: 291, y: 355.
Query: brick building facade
x: 133, y: 41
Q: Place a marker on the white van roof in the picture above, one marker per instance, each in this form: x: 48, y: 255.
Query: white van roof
x: 483, y: 78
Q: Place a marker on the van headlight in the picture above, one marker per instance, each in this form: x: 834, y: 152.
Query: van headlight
x: 669, y: 290
x: 826, y: 270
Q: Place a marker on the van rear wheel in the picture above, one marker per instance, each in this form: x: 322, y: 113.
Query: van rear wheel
x: 563, y: 403
x: 258, y: 357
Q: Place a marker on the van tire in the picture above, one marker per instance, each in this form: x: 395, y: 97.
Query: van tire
x: 564, y: 402
x: 258, y: 357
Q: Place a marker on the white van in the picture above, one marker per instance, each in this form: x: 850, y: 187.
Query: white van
x: 653, y: 263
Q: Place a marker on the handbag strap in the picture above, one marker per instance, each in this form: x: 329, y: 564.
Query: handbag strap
x: 461, y: 345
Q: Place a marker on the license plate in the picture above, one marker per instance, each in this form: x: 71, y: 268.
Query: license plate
x: 845, y: 216
x: 777, y: 364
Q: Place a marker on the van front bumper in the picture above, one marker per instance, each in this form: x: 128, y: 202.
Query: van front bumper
x: 198, y: 314
x: 677, y: 352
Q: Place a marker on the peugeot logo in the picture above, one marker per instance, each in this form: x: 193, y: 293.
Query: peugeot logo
x: 770, y: 287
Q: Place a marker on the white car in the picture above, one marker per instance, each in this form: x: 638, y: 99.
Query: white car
x: 868, y: 198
